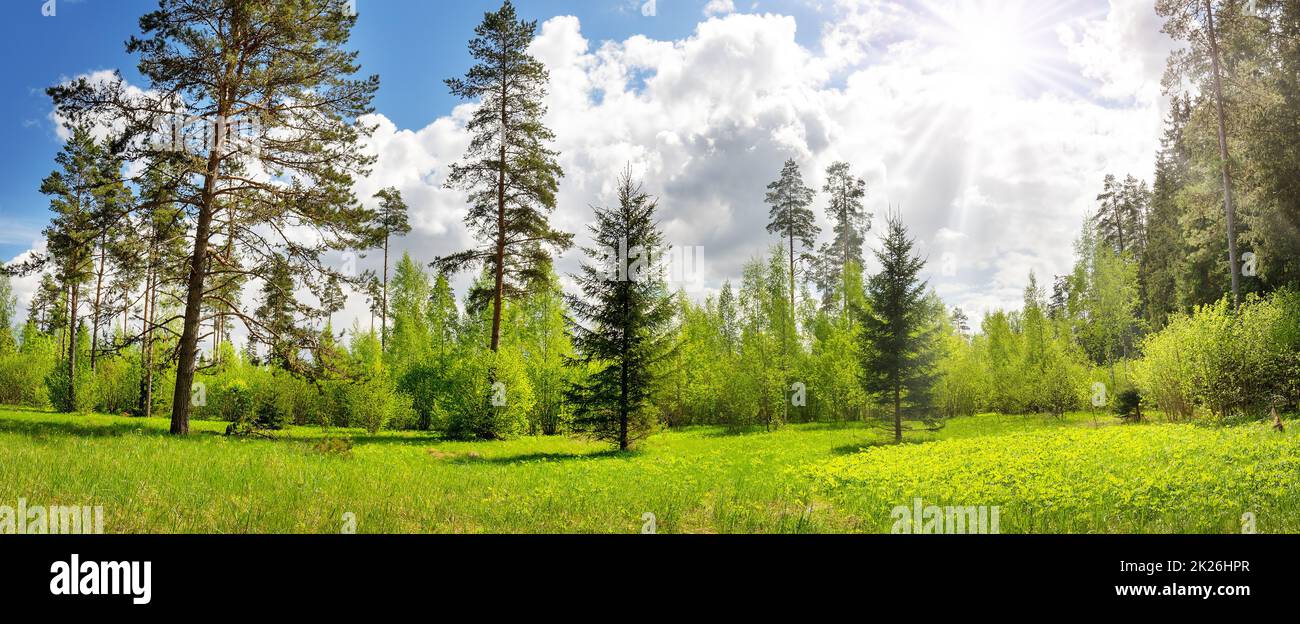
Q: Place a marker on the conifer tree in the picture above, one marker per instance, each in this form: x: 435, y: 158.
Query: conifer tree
x: 624, y: 318
x: 790, y: 217
x: 81, y: 191
x: 509, y: 172
x: 846, y: 194
x: 900, y: 333
x: 390, y: 220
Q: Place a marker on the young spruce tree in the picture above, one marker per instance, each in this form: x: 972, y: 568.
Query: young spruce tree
x: 625, y: 316
x: 900, y: 333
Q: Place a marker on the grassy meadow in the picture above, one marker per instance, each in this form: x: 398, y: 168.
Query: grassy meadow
x: 1083, y: 473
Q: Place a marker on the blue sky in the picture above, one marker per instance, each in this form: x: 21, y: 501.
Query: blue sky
x: 990, y: 122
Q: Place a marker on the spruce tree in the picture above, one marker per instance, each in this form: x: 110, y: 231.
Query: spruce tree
x: 900, y: 333
x: 276, y: 325
x: 624, y: 316
x: 508, y: 171
x: 1165, y: 253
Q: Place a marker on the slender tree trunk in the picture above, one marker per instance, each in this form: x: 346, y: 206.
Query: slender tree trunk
x: 898, y: 414
x: 1119, y: 226
x: 63, y: 331
x: 791, y: 271
x: 72, y: 347
x: 146, y: 342
x: 98, y: 315
x: 1230, y: 212
x: 844, y: 271
x: 383, y: 311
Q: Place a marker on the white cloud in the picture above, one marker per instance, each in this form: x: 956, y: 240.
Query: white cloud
x: 719, y: 7
x: 1124, y: 50
x: 24, y: 287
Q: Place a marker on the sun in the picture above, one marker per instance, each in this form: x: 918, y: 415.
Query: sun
x: 992, y: 45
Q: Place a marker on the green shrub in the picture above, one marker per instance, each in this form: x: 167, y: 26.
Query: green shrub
x: 491, y: 397
x: 117, y: 380
x: 1232, y: 364
x: 371, y: 403
x: 22, y: 379
x: 57, y: 381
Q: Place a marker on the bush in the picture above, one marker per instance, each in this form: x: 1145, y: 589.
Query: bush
x: 57, y: 382
x: 371, y: 403
x: 1233, y: 364
x: 117, y: 381
x: 22, y: 379
x: 471, y: 409
x: 233, y: 402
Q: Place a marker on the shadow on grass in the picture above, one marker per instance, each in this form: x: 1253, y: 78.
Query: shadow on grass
x: 369, y: 439
x: 729, y: 432
x: 543, y: 457
x: 73, y: 428
x: 854, y: 449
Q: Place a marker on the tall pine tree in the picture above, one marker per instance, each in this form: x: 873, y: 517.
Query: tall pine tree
x: 790, y: 216
x: 390, y: 220
x: 508, y: 171
x: 846, y: 194
x: 82, y: 190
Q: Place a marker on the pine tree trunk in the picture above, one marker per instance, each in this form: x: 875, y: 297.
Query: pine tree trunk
x: 95, y: 320
x: 792, y: 272
x: 499, y: 288
x: 188, y: 348
x: 72, y: 348
x: 383, y: 312
x: 1228, y: 208
x: 146, y: 343
x: 1119, y: 226
x: 844, y: 271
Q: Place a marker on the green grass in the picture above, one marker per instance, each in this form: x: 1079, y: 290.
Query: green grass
x: 1077, y: 474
